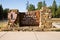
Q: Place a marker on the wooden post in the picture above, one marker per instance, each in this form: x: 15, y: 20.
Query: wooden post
x: 40, y: 20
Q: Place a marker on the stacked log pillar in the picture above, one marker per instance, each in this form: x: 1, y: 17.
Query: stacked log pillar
x: 45, y: 18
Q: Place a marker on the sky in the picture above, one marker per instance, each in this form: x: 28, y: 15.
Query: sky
x: 21, y: 4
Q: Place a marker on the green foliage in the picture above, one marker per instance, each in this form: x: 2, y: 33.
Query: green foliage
x: 1, y: 12
x: 54, y: 9
x: 31, y: 7
x: 5, y: 13
x: 58, y: 12
x: 39, y: 5
x: 50, y: 7
x: 44, y: 4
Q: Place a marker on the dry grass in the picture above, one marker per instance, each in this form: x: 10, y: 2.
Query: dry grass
x: 55, y: 29
x: 3, y: 25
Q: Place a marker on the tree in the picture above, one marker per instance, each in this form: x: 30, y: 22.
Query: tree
x: 39, y: 5
x: 54, y: 9
x: 5, y: 13
x: 44, y: 4
x: 27, y: 5
x: 50, y: 7
x: 58, y: 12
x: 31, y: 7
x: 1, y: 12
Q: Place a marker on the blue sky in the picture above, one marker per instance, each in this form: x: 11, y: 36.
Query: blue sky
x: 21, y: 4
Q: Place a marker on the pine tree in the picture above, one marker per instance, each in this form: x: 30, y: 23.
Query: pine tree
x: 54, y: 9
x: 58, y: 12
x: 44, y: 4
x: 39, y: 5
x: 31, y: 7
x: 1, y: 12
x: 5, y: 13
